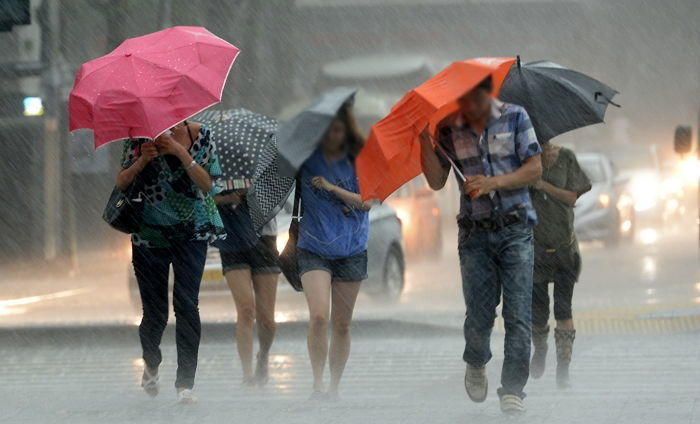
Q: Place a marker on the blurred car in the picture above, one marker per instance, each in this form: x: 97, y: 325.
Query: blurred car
x: 417, y: 207
x: 385, y: 268
x: 606, y: 212
x: 638, y: 165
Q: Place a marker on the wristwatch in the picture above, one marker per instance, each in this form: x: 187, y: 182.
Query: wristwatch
x: 191, y: 165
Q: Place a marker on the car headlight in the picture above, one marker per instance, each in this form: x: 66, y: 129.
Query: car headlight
x: 282, y: 239
x: 604, y: 200
x: 645, y: 192
x: 689, y: 169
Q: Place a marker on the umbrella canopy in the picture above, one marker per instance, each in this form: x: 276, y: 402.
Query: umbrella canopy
x: 241, y: 137
x: 149, y: 84
x: 270, y: 190
x: 298, y: 138
x: 391, y: 156
x: 556, y: 98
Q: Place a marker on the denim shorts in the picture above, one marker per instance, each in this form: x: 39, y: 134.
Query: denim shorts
x: 261, y: 259
x: 351, y: 268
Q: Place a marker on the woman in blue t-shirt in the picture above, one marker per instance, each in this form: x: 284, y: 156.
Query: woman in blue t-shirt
x: 332, y: 247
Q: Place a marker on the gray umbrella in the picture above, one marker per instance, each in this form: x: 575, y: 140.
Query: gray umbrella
x: 556, y: 98
x: 240, y: 136
x: 298, y: 138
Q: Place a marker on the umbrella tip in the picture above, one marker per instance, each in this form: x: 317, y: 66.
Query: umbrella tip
x: 518, y: 59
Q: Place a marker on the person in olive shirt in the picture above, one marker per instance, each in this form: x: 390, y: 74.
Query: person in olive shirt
x: 557, y: 258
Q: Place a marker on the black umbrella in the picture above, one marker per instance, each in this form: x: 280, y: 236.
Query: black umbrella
x: 270, y: 190
x: 556, y: 98
x: 241, y: 137
x: 298, y: 138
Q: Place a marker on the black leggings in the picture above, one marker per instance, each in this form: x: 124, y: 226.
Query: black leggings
x: 152, y: 267
x: 563, y: 293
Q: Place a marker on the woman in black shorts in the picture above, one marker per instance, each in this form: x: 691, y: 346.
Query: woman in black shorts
x: 557, y: 258
x: 250, y: 265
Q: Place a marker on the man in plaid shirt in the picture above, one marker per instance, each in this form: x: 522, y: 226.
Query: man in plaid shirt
x: 493, y: 145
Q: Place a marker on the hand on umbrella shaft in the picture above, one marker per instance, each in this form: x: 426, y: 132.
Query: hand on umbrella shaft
x: 167, y: 145
x: 479, y: 185
x: 148, y: 152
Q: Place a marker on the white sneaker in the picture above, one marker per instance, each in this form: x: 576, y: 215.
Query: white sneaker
x: 150, y: 382
x: 476, y: 383
x: 512, y: 405
x: 186, y: 397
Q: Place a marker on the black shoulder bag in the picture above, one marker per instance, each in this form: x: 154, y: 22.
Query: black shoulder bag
x: 124, y: 210
x: 288, y: 257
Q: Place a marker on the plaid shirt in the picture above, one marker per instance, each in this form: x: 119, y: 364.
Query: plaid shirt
x: 507, y: 140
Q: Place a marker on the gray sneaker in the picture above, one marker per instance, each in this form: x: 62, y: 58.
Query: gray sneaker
x: 512, y: 405
x: 476, y: 383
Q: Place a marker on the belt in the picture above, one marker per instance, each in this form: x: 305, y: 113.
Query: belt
x: 490, y: 224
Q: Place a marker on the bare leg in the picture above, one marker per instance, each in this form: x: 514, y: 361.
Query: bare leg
x: 239, y: 281
x: 265, y: 286
x: 344, y: 295
x: 317, y: 289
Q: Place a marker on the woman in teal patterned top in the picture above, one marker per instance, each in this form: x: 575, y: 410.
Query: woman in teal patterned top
x: 178, y: 170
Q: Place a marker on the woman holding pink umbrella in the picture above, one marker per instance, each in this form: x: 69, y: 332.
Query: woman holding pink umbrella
x: 179, y: 218
x: 144, y: 91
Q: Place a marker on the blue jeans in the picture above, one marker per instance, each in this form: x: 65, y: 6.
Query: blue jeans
x: 495, y: 262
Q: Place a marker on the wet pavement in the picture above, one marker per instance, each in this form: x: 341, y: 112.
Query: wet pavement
x: 406, y: 375
x: 70, y: 350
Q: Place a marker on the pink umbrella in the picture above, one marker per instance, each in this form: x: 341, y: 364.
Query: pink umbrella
x: 150, y: 83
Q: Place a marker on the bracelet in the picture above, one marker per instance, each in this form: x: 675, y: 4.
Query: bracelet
x: 191, y: 165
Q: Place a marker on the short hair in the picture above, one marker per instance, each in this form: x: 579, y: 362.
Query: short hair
x: 486, y: 84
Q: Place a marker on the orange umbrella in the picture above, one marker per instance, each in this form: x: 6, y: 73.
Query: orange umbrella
x: 391, y: 156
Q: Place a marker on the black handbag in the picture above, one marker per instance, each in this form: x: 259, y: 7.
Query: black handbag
x: 124, y: 210
x: 288, y: 258
x: 240, y: 232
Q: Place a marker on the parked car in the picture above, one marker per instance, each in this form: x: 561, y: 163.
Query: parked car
x: 386, y: 263
x: 418, y: 209
x: 607, y: 211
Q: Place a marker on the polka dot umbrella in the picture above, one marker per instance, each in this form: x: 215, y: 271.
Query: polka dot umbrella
x: 240, y: 136
x: 248, y: 153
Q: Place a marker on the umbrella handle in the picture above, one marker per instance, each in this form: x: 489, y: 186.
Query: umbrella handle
x: 459, y: 173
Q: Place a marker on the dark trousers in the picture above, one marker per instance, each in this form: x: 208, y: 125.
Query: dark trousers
x: 561, y: 267
x: 152, y: 267
x: 494, y: 263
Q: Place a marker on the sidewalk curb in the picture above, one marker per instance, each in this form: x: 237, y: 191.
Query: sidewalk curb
x: 89, y: 335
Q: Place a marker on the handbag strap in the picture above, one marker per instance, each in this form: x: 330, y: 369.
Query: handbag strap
x: 298, y: 208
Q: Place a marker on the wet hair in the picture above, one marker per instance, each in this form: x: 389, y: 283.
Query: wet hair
x: 486, y: 84
x: 354, y: 140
